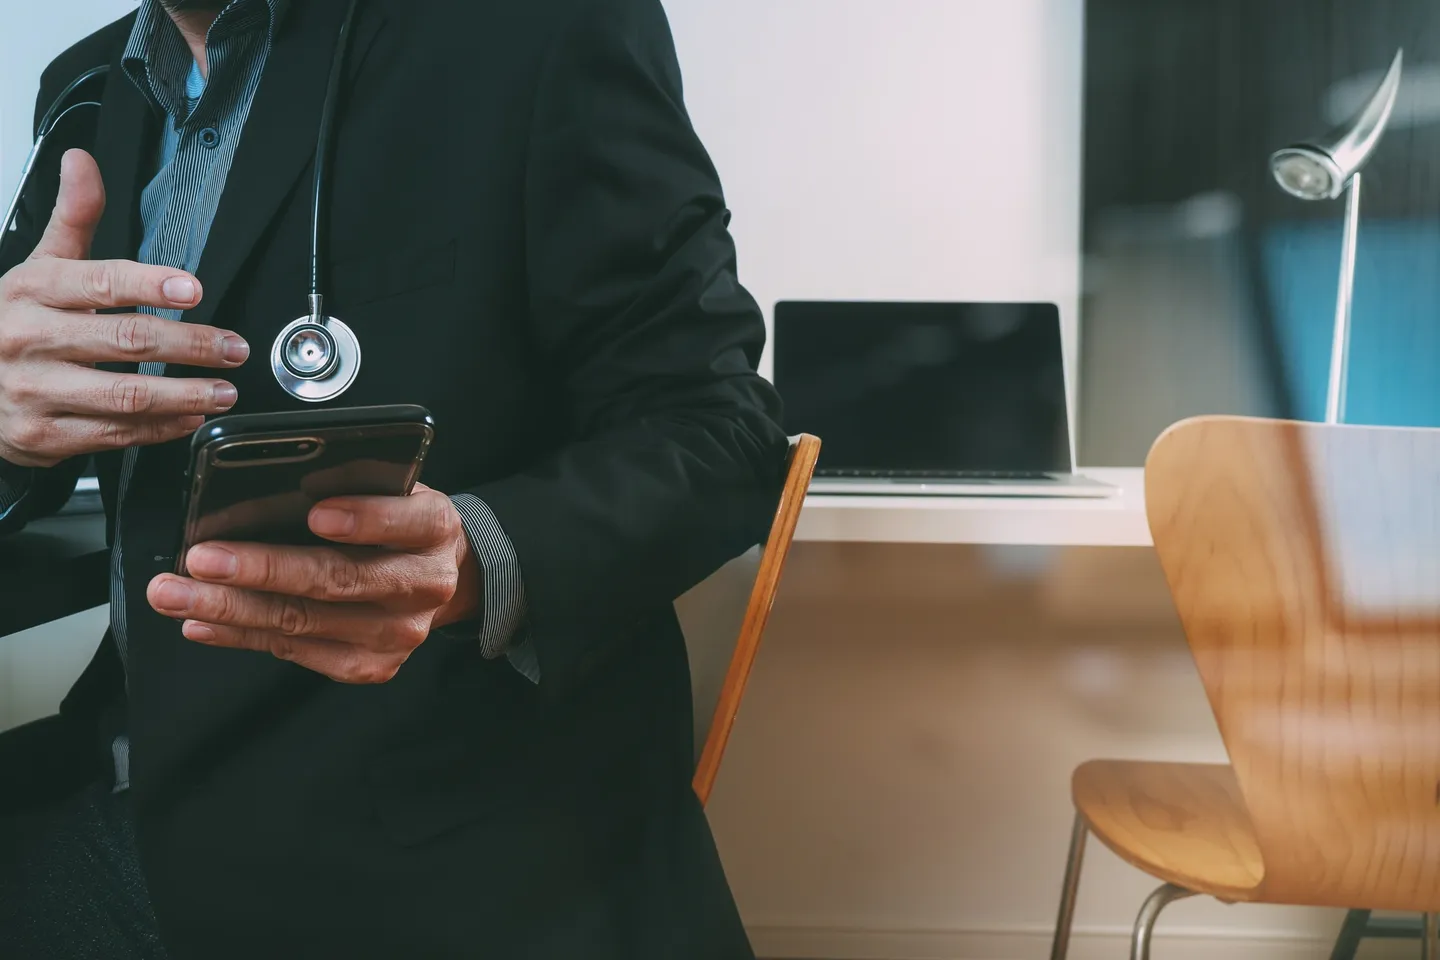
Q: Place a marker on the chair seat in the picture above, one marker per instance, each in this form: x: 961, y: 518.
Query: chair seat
x: 1183, y: 823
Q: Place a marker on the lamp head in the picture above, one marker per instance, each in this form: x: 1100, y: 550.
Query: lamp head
x: 1320, y: 169
x: 1308, y: 173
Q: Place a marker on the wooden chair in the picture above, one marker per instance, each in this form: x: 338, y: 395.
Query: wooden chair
x: 736, y: 602
x: 1304, y: 562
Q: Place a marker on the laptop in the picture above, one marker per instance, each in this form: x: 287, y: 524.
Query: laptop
x: 945, y: 399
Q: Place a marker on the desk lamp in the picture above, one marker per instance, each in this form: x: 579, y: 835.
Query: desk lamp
x: 1323, y: 169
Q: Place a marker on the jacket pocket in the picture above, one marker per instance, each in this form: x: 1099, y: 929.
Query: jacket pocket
x: 399, y: 270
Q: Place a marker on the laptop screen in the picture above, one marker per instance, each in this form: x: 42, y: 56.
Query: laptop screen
x: 925, y: 386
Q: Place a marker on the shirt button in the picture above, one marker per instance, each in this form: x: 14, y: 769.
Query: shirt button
x: 209, y: 138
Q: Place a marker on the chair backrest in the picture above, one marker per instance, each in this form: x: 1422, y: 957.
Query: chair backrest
x: 1304, y: 561
x: 724, y: 620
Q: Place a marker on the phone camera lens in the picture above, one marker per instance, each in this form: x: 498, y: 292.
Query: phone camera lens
x: 281, y: 451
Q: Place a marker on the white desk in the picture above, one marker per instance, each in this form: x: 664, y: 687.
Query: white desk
x: 1117, y: 521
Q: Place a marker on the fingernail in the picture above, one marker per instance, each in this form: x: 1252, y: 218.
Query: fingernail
x: 180, y: 290
x: 332, y: 522
x: 198, y: 632
x: 174, y: 595
x: 235, y: 350
x: 211, y: 561
x: 224, y: 395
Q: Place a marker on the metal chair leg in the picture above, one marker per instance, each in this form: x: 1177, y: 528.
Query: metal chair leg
x: 1149, y: 913
x: 1061, y: 945
x: 1352, y: 931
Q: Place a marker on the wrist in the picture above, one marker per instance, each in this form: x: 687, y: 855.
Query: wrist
x: 469, y: 596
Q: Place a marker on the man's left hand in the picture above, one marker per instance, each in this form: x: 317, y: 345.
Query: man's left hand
x: 353, y: 612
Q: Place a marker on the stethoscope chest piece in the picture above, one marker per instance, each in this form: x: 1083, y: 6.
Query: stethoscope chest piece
x: 315, y: 358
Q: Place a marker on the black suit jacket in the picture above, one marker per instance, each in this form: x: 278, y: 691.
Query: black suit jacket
x: 530, y: 240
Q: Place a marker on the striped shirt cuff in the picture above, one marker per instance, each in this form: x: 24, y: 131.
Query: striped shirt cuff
x: 14, y: 484
x: 502, y: 626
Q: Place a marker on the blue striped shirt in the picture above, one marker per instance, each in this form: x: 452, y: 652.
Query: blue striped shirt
x: 205, y: 120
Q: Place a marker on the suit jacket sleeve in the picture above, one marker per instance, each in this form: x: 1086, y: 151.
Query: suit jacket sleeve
x: 30, y: 494
x: 674, y: 460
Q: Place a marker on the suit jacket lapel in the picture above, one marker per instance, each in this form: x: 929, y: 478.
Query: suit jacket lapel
x: 128, y: 132
x: 278, y: 142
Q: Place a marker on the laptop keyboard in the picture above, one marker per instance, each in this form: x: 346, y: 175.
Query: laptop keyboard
x: 959, y: 476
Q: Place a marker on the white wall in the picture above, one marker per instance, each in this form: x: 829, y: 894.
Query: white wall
x: 31, y: 34
x: 904, y: 149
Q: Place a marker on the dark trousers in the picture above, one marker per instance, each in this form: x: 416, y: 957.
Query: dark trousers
x: 71, y: 887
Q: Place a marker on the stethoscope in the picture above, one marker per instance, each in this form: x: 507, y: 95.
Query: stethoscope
x: 315, y: 357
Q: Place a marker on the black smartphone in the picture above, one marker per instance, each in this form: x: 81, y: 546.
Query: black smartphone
x: 254, y: 477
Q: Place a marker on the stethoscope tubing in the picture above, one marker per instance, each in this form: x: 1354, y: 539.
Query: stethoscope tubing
x: 58, y: 111
x: 324, y: 148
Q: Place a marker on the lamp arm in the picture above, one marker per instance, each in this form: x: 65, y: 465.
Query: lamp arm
x: 1335, y: 396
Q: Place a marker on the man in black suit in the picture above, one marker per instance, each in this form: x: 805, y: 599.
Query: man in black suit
x: 464, y: 730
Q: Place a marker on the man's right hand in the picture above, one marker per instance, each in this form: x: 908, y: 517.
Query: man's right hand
x: 54, y: 404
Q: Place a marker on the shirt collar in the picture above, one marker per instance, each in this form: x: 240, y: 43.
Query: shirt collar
x: 157, y: 60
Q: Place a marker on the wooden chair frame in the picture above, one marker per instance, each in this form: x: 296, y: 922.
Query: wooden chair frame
x: 1304, y: 561
x: 804, y: 451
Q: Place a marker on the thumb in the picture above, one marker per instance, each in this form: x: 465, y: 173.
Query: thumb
x: 77, y: 209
